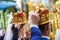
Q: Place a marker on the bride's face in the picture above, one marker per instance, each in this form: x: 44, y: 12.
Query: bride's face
x: 18, y: 26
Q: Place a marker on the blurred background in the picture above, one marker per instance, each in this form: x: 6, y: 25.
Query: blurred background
x: 8, y: 6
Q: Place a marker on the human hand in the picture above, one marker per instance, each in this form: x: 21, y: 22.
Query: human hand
x: 33, y: 19
x: 3, y: 31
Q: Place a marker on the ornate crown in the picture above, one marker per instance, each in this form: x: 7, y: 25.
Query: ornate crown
x: 44, y: 16
x: 19, y: 17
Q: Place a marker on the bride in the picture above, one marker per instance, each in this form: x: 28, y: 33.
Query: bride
x: 10, y: 34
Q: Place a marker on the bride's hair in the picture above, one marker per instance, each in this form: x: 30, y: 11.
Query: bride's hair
x: 13, y: 26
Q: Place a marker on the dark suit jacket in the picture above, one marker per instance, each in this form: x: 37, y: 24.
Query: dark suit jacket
x: 15, y: 34
x: 2, y: 37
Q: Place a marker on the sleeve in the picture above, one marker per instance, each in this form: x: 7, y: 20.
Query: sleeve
x: 35, y: 34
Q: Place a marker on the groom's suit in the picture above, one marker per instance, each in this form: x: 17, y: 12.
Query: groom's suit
x: 35, y: 33
x: 15, y: 34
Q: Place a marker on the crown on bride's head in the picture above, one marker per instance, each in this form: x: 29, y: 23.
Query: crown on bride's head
x: 19, y: 17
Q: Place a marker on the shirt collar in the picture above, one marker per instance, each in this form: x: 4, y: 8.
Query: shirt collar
x: 45, y: 37
x: 33, y: 26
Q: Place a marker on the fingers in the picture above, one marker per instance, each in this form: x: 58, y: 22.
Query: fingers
x: 34, y: 19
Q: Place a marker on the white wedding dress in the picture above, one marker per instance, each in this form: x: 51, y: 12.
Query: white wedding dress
x: 57, y: 36
x: 9, y: 34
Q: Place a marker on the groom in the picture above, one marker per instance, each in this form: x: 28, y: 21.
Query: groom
x: 34, y: 29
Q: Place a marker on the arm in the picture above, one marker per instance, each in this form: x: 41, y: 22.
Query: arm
x: 34, y: 29
x: 35, y: 34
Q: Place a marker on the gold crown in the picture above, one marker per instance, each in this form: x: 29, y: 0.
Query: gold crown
x: 44, y: 13
x: 19, y: 17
